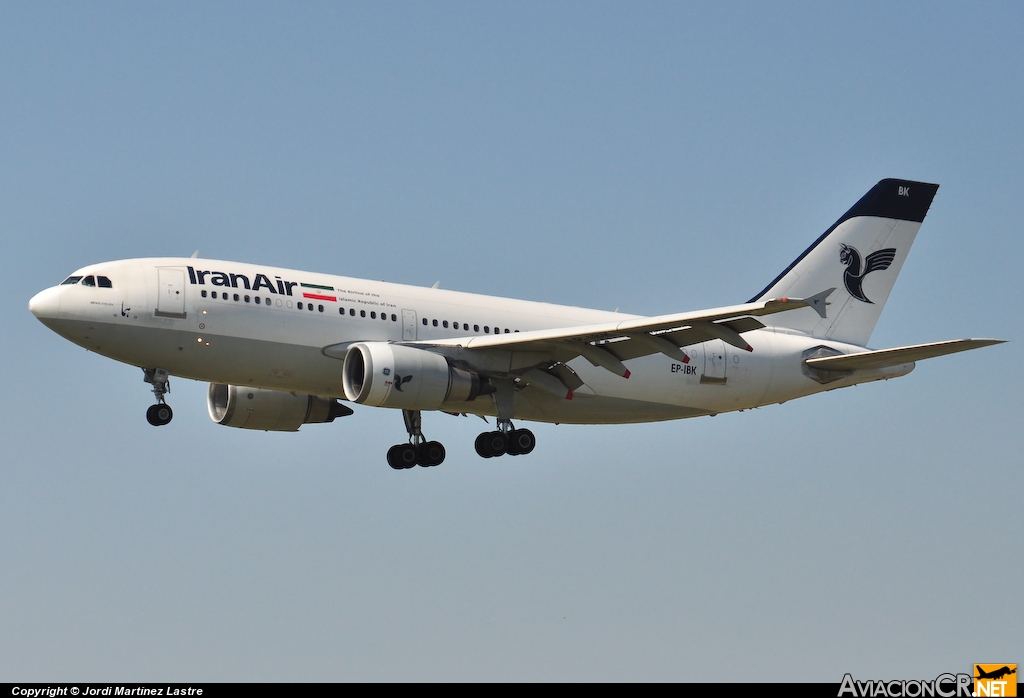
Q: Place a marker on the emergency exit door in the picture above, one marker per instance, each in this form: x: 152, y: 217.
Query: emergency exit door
x: 408, y: 325
x: 715, y: 360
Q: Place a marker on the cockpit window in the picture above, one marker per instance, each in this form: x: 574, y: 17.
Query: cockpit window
x: 89, y: 281
x: 104, y: 282
x: 70, y: 280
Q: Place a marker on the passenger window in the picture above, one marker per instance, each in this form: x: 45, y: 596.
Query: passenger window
x: 203, y: 293
x: 104, y: 282
x: 373, y: 314
x: 476, y: 328
x: 486, y: 329
x: 71, y: 280
x: 268, y: 300
x: 299, y: 305
x: 506, y: 330
x: 362, y: 313
x: 424, y: 321
x: 247, y: 299
x: 434, y: 322
x: 320, y: 308
x: 352, y: 312
x: 88, y: 281
x: 394, y: 318
x: 309, y: 307
x: 445, y: 324
x: 236, y: 297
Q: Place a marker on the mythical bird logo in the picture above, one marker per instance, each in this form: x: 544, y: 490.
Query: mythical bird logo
x: 398, y: 381
x: 854, y: 277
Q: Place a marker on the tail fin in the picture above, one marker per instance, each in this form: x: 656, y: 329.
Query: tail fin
x: 860, y: 256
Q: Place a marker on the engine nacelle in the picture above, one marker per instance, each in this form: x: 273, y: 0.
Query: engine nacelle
x: 390, y: 375
x: 269, y: 410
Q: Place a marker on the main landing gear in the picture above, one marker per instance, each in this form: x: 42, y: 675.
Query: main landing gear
x: 507, y: 439
x: 160, y: 413
x: 418, y: 451
x: 427, y: 454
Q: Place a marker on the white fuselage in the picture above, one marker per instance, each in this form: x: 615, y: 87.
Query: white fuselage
x: 280, y: 329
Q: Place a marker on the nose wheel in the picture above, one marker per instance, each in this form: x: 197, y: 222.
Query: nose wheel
x: 418, y: 451
x: 161, y: 413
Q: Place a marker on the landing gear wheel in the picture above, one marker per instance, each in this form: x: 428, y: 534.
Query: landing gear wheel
x: 431, y: 454
x: 159, y: 415
x: 402, y: 456
x: 491, y: 444
x: 481, y: 445
x: 418, y: 451
x: 521, y: 442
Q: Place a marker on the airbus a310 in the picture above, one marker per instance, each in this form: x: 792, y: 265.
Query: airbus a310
x: 281, y: 348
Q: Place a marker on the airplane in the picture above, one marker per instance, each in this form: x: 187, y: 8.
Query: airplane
x: 281, y: 348
x: 995, y: 674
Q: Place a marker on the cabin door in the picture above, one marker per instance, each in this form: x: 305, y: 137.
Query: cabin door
x: 170, y: 300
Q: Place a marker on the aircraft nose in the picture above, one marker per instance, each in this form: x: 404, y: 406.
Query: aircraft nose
x: 45, y: 305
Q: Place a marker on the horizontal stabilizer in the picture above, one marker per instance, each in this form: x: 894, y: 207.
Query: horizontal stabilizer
x: 884, y: 358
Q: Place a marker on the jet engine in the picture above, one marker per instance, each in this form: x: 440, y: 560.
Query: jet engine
x: 269, y: 410
x: 391, y: 375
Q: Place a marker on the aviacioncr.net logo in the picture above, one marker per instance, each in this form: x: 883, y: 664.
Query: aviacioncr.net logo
x: 995, y: 680
x: 943, y: 686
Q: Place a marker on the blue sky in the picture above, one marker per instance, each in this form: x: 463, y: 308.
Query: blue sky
x: 647, y: 157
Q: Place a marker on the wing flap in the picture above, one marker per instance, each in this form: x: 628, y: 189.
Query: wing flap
x: 885, y: 358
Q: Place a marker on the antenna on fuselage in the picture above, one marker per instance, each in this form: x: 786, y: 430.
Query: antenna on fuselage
x: 195, y: 255
x: 436, y: 283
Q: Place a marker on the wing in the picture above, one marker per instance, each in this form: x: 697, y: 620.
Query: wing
x: 877, y: 261
x: 609, y: 344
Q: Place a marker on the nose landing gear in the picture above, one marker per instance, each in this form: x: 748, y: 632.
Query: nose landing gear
x: 418, y: 451
x: 161, y: 413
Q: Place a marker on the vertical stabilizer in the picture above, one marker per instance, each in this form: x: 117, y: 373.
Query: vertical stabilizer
x: 860, y: 256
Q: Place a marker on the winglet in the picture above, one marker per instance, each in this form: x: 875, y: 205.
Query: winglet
x: 817, y: 301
